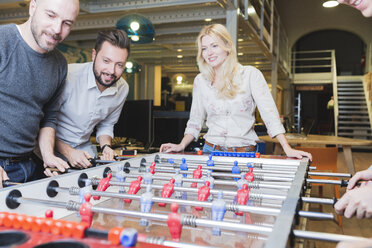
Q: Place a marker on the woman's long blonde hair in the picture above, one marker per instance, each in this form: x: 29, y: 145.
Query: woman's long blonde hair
x: 230, y: 66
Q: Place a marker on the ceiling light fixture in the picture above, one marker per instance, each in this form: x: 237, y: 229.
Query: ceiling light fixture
x: 134, y: 26
x: 139, y: 29
x: 129, y: 65
x: 132, y: 67
x: 330, y: 4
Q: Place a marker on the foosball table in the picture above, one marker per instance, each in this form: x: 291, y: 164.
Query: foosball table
x: 167, y: 200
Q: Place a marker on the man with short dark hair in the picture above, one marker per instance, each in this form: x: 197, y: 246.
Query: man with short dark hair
x: 32, y: 74
x: 94, y: 96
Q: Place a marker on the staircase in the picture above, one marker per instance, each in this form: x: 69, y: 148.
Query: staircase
x: 353, y: 119
x: 352, y: 96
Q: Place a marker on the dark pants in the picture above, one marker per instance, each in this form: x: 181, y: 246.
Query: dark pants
x: 23, y: 171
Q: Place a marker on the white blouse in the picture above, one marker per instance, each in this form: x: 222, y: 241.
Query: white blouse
x: 230, y: 122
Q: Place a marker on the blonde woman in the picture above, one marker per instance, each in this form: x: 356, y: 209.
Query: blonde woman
x: 226, y: 94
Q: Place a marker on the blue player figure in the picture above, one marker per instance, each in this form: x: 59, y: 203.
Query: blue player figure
x: 210, y: 162
x: 178, y: 183
x: 235, y: 170
x: 84, y: 190
x: 147, y: 177
x: 209, y: 178
x: 241, y: 181
x: 183, y: 166
x: 218, y: 212
x: 146, y: 204
x: 120, y: 176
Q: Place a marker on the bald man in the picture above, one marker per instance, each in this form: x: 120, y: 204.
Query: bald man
x: 364, y: 6
x: 32, y: 74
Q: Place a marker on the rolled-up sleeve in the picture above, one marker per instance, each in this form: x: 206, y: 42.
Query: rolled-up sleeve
x: 197, y: 113
x: 265, y: 104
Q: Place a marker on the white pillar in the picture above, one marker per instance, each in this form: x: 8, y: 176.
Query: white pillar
x: 232, y: 24
x: 274, y: 78
x: 150, y: 83
x: 157, y: 85
x: 368, y: 58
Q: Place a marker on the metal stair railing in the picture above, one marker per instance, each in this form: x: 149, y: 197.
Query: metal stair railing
x: 317, y: 67
x: 335, y: 91
x: 263, y: 20
x: 367, y: 87
x: 353, y: 119
x: 313, y: 67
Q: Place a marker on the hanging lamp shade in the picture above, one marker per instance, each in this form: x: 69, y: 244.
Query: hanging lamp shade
x: 139, y: 29
x: 132, y: 67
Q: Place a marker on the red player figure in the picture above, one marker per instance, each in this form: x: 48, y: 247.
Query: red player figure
x: 49, y: 214
x: 85, y: 210
x: 249, y: 176
x: 203, y: 194
x: 167, y: 191
x: 174, y: 223
x: 242, y: 197
x: 152, y: 168
x: 199, y: 152
x: 104, y: 183
x: 197, y: 174
x: 133, y: 188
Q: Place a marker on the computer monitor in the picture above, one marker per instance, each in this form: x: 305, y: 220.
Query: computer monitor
x: 136, y: 122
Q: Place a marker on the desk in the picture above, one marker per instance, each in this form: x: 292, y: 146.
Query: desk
x: 346, y: 144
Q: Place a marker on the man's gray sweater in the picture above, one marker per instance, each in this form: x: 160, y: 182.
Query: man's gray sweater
x: 30, y: 84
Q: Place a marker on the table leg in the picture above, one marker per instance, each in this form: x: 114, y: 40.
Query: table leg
x: 278, y: 149
x: 349, y: 158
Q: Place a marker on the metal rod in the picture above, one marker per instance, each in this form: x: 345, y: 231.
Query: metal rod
x: 256, y: 184
x: 243, y: 168
x: 329, y: 174
x: 330, y: 237
x: 229, y: 207
x: 318, y: 200
x: 8, y: 183
x: 316, y: 215
x: 260, y: 165
x: 192, y: 219
x: 258, y: 177
x: 324, y: 181
x: 57, y: 204
x: 186, y: 219
x: 252, y: 195
x: 264, y: 173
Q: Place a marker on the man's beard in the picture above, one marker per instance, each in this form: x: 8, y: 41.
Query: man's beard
x: 99, y: 79
x: 37, y: 37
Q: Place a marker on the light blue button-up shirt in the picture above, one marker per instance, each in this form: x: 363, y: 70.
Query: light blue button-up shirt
x: 83, y: 107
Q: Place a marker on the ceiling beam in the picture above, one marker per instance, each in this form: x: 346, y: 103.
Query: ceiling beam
x: 99, y: 6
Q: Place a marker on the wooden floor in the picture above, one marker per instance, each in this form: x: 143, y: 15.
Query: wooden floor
x: 353, y: 226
